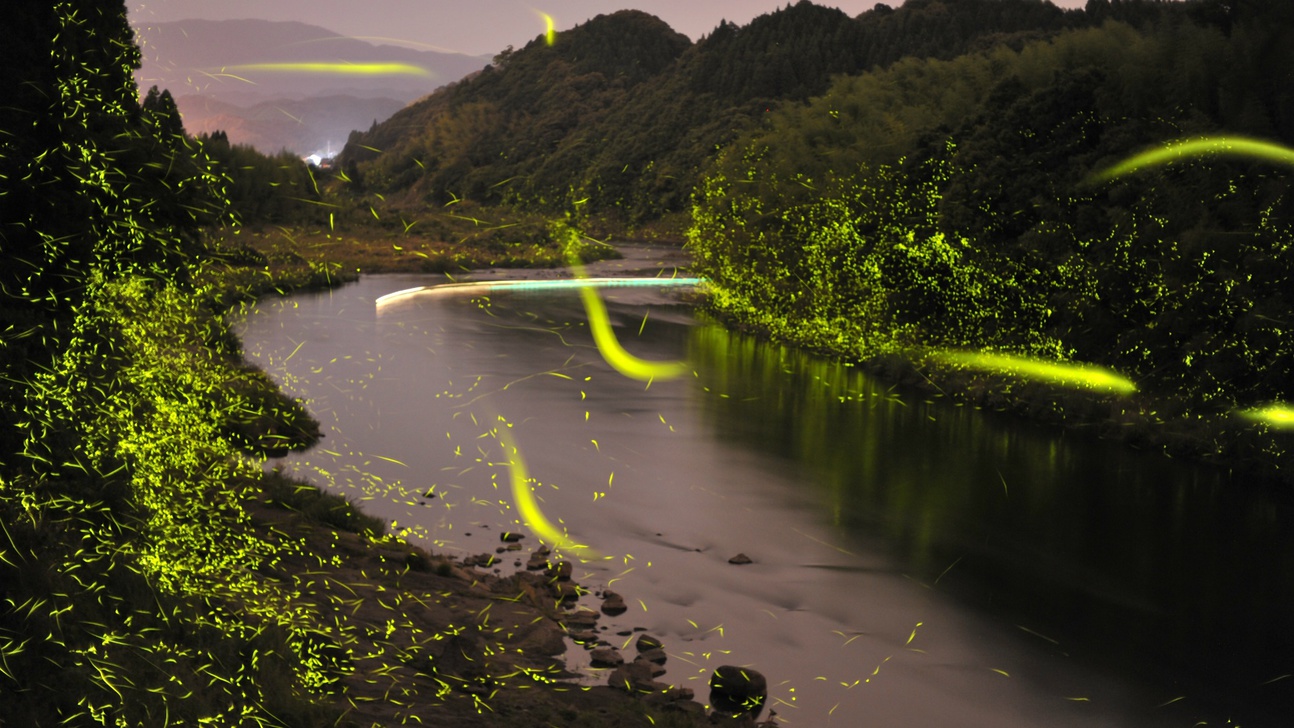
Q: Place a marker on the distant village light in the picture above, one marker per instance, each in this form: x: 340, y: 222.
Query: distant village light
x: 322, y: 160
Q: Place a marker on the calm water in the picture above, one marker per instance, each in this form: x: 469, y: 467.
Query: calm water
x: 916, y: 563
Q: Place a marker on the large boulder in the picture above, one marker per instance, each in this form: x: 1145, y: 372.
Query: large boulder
x: 635, y: 677
x: 738, y: 691
x: 606, y: 657
x: 613, y: 604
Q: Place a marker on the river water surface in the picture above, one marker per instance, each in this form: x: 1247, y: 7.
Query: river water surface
x: 915, y: 563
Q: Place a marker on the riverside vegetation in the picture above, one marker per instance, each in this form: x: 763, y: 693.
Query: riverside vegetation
x: 911, y: 179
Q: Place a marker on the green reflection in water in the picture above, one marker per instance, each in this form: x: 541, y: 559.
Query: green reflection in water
x: 1278, y: 415
x: 1064, y: 374
x: 1128, y: 559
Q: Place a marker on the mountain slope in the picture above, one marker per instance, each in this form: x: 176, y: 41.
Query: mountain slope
x: 302, y: 126
x: 622, y: 113
x: 217, y: 70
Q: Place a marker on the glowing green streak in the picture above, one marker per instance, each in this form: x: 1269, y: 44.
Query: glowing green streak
x: 1277, y: 415
x: 1232, y: 146
x: 550, y: 28
x: 527, y: 505
x: 611, y: 350
x: 344, y: 69
x: 609, y: 346
x: 477, y: 287
x: 599, y: 323
x: 1067, y: 375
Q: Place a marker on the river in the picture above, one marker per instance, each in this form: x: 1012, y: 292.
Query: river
x: 915, y: 563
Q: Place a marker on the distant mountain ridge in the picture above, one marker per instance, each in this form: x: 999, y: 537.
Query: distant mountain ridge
x: 303, y: 126
x: 623, y: 113
x: 204, y: 63
x: 187, y: 56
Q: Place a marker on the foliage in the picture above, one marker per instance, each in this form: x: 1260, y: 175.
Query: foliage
x: 129, y: 546
x: 941, y: 204
x: 277, y: 189
x: 128, y: 590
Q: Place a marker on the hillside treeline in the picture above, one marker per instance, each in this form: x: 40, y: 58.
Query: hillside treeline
x: 267, y: 189
x: 622, y: 113
x: 253, y: 187
x: 920, y: 177
x: 953, y: 204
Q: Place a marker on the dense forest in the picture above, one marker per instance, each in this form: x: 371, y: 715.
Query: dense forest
x: 918, y: 179
x: 626, y: 113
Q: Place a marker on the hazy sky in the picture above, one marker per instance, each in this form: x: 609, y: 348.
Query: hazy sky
x: 476, y: 27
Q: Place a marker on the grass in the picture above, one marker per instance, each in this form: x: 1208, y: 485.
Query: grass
x: 319, y: 506
x: 403, y: 240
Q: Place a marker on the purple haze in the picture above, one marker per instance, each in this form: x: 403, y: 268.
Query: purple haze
x: 474, y: 27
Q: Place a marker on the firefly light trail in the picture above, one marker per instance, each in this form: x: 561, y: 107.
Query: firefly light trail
x: 344, y: 69
x: 476, y: 287
x: 1179, y: 150
x: 1061, y: 373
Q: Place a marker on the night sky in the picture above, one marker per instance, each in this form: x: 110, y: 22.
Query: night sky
x: 476, y: 27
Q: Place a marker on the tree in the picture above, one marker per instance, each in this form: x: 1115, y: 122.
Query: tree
x: 163, y: 114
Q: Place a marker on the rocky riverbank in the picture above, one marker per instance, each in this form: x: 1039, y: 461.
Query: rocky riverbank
x: 435, y: 640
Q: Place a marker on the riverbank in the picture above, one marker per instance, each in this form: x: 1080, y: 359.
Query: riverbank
x: 399, y: 240
x: 430, y: 640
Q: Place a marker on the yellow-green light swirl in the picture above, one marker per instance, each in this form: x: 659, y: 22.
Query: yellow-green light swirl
x: 523, y: 495
x: 344, y: 69
x: 1278, y: 415
x: 1179, y: 150
x: 550, y: 28
x: 1059, y: 373
x: 609, y: 346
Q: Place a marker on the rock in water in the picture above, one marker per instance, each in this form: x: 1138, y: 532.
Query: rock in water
x: 657, y: 656
x: 737, y: 691
x: 581, y: 619
x: 561, y: 571
x: 634, y: 677
x: 656, y: 669
x: 740, y: 559
x: 606, y: 657
x: 613, y: 604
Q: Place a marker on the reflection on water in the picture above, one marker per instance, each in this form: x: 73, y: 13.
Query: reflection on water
x: 1138, y: 563
x: 915, y: 563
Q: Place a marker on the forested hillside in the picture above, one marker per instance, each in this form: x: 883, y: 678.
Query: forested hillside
x: 623, y: 113
x: 959, y: 204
